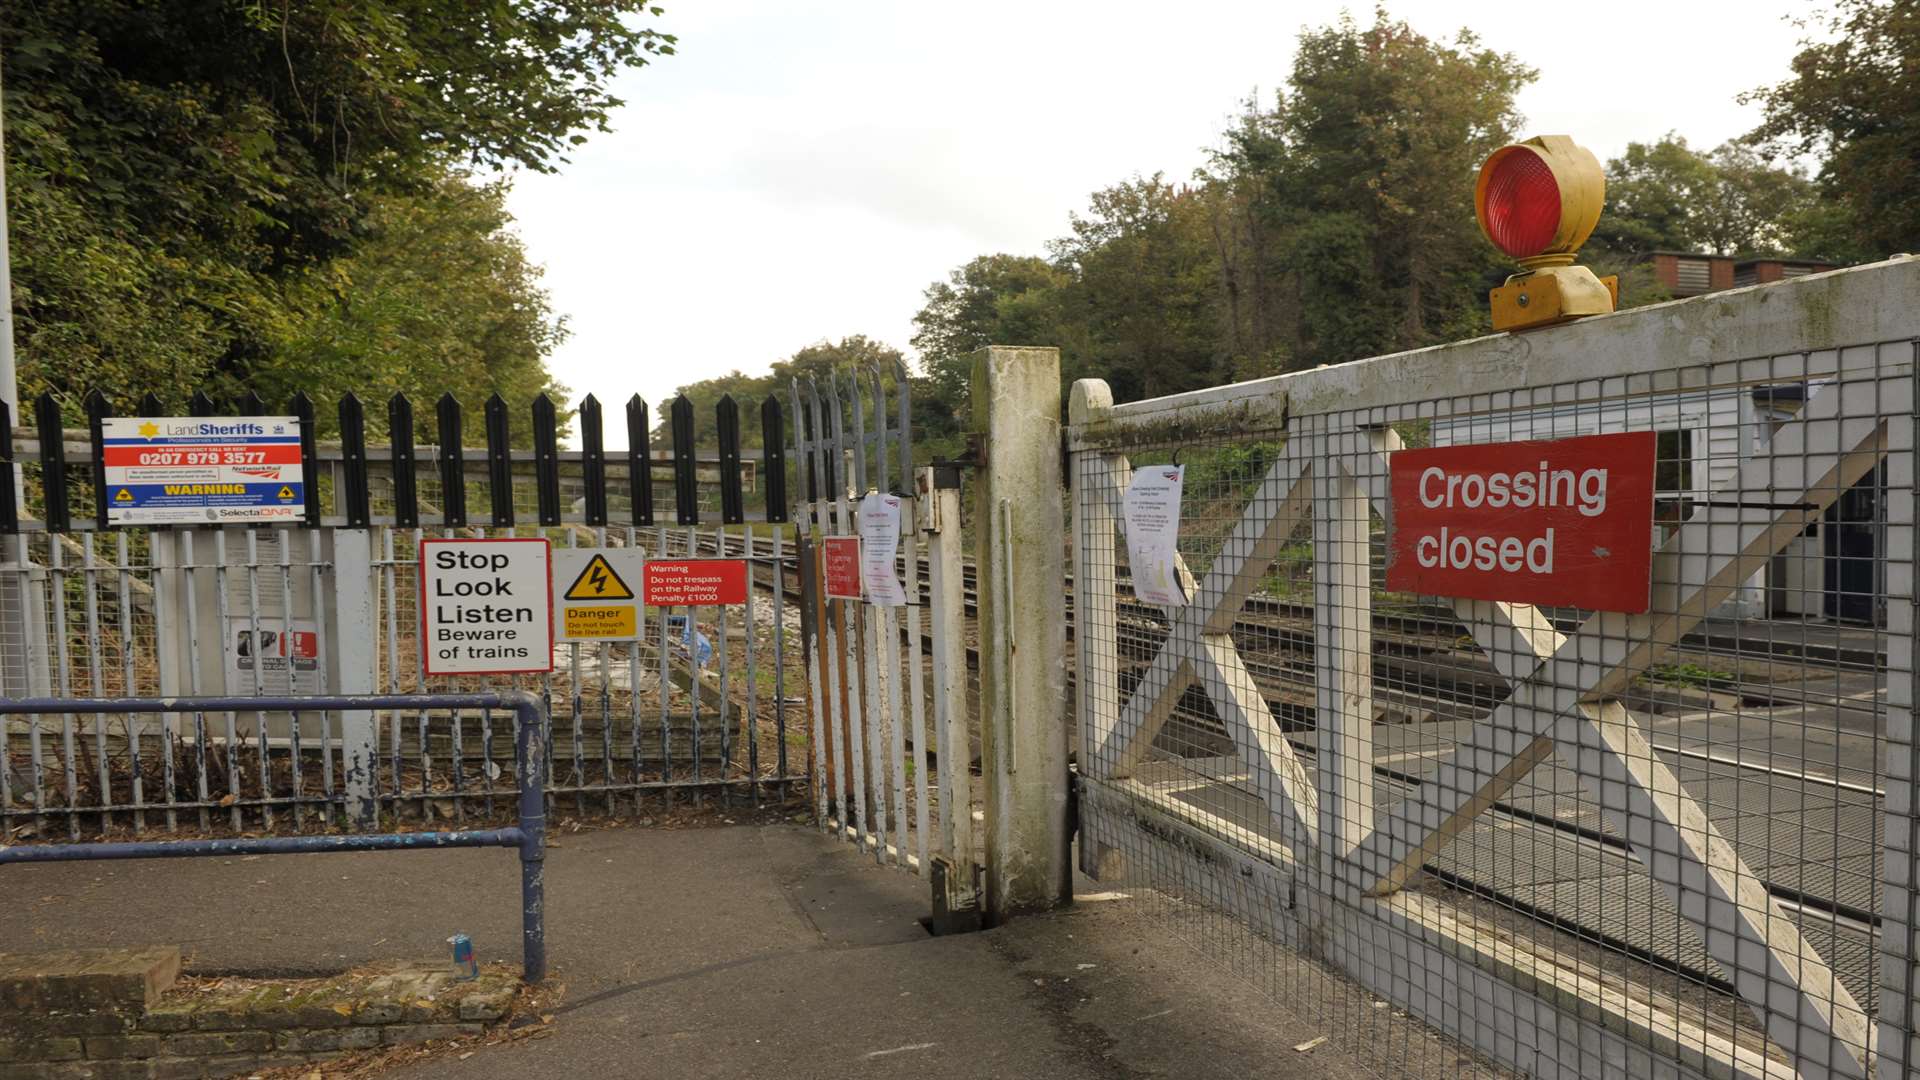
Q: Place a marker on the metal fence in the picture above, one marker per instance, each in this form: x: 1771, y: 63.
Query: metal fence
x: 889, y: 685
x: 709, y: 703
x: 527, y: 837
x: 1574, y: 843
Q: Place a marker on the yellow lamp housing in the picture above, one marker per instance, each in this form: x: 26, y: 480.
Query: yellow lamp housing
x: 1538, y: 201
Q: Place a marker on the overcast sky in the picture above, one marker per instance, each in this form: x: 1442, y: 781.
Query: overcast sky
x: 800, y: 172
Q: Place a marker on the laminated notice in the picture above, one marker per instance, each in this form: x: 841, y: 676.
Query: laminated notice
x: 879, y: 543
x: 1150, y: 511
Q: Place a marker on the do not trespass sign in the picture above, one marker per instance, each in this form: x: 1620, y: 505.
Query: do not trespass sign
x: 486, y: 606
x: 1561, y: 523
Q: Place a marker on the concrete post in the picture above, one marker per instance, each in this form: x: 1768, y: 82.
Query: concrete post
x: 1021, y: 531
x: 356, y: 634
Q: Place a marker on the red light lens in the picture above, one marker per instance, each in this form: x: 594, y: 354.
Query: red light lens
x: 1523, y: 204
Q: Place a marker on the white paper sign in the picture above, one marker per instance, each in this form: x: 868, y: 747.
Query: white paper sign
x: 1151, y: 513
x: 879, y: 542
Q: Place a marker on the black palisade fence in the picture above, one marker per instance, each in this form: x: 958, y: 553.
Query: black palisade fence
x: 352, y: 482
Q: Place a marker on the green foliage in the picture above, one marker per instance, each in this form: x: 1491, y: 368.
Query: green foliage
x: 992, y: 300
x: 225, y: 195
x: 1667, y: 196
x: 1854, y: 100
x: 1688, y: 674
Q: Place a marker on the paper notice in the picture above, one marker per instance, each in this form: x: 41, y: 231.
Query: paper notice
x: 879, y: 542
x: 1151, y: 511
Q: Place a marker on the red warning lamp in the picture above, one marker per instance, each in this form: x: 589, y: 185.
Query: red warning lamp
x: 1538, y: 201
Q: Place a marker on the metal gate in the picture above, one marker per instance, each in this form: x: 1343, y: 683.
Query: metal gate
x: 889, y: 683
x: 1577, y: 843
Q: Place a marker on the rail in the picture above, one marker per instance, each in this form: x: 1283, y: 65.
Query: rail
x: 528, y: 837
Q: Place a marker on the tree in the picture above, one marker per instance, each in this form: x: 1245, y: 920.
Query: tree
x: 1854, y: 101
x: 843, y: 359
x: 1348, y: 227
x: 185, y: 175
x: 992, y: 300
x: 1144, y: 288
x: 437, y: 297
x: 1666, y: 196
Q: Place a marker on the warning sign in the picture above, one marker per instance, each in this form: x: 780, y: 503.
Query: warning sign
x: 840, y: 566
x: 594, y: 598
x: 696, y: 582
x: 598, y: 581
x: 486, y: 606
x: 1565, y: 523
x: 188, y: 469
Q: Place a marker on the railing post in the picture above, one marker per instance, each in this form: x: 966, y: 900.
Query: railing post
x: 1342, y: 645
x: 940, y: 487
x: 1021, y: 531
x: 530, y: 756
x: 1096, y: 688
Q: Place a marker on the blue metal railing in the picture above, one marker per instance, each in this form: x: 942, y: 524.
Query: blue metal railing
x: 529, y: 837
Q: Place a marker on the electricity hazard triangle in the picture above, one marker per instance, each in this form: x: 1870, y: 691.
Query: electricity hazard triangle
x: 597, y: 581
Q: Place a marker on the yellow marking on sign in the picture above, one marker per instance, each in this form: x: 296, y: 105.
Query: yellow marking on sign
x: 148, y: 429
x: 597, y: 581
x: 123, y: 496
x: 286, y: 491
x: 610, y: 621
x: 204, y: 489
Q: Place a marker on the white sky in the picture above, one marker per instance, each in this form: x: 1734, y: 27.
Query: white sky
x: 800, y: 172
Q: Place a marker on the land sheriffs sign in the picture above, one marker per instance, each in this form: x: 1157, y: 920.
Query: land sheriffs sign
x: 1567, y: 523
x: 486, y: 606
x: 182, y: 469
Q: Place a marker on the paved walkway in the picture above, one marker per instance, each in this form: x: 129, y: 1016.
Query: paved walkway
x: 750, y: 951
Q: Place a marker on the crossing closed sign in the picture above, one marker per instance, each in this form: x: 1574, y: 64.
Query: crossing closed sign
x: 1561, y: 523
x: 486, y: 606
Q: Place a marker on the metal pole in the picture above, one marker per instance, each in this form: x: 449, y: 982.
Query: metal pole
x: 530, y: 757
x: 9, y: 376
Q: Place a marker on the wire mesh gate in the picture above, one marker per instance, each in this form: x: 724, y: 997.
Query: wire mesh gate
x: 1579, y: 843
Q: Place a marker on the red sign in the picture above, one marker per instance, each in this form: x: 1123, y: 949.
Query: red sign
x: 1566, y: 523
x: 840, y: 566
x: 695, y: 582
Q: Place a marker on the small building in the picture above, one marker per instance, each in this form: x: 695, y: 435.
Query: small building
x: 1690, y: 273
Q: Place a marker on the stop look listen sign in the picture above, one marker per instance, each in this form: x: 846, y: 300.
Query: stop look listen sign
x: 1563, y: 523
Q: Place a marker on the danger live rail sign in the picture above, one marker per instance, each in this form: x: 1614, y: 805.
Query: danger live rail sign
x: 594, y: 597
x: 1565, y: 523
